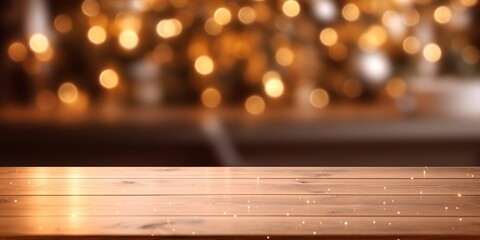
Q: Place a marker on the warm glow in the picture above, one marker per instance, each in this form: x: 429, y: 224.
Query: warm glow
x: 351, y: 12
x: 212, y: 27
x: 101, y: 20
x: 90, y: 8
x: 241, y: 49
x: 393, y: 21
x: 45, y: 56
x: 45, y: 100
x: 270, y: 75
x: 291, y: 8
x: 265, y: 55
x: 319, y: 98
x: 178, y: 3
x: 432, y: 52
x: 411, y: 45
x: 247, y: 15
x: 328, y: 36
x: 204, y: 65
x: 443, y: 14
x: 373, y: 38
x: 63, y: 23
x: 211, y: 97
x: 169, y: 28
x: 97, y: 35
x: 338, y: 52
x: 17, y: 52
x: 163, y: 53
x: 197, y: 49
x: 352, y: 88
x: 470, y: 55
x: 255, y: 105
x: 263, y: 12
x: 469, y: 3
x: 68, y: 93
x: 325, y: 10
x: 128, y: 39
x: 108, y: 78
x: 396, y: 88
x: 222, y: 16
x: 374, y: 66
x: 411, y: 17
x: 39, y: 43
x: 274, y: 87
x: 284, y: 56
x: 130, y: 21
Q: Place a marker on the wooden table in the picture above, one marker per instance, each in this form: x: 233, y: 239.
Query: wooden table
x: 241, y: 203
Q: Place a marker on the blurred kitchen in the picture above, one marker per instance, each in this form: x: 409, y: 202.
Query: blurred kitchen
x: 254, y: 83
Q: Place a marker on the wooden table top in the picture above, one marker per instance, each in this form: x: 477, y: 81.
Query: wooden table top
x: 240, y: 203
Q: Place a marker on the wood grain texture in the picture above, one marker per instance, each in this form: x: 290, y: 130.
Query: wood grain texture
x: 240, y: 203
x: 446, y: 187
x: 228, y: 225
x: 238, y: 172
x: 231, y: 237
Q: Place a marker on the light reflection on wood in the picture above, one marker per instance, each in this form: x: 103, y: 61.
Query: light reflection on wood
x: 249, y: 203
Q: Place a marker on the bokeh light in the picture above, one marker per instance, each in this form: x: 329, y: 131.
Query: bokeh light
x: 328, y: 36
x: 319, y: 98
x: 255, y: 105
x: 63, y: 23
x: 17, y: 52
x: 97, y: 35
x: 39, y: 43
x: 284, y: 56
x: 432, y: 52
x: 375, y: 67
x: 128, y: 39
x: 411, y: 17
x: 68, y: 93
x: 325, y: 10
x: 90, y: 8
x: 204, y: 65
x: 108, y: 78
x: 212, y: 27
x: 247, y: 15
x: 169, y: 28
x: 211, y: 98
x: 279, y: 51
x: 222, y: 16
x: 443, y: 14
x: 291, y: 8
x: 351, y: 12
x: 396, y: 87
x: 373, y: 38
x: 274, y: 87
x: 411, y: 45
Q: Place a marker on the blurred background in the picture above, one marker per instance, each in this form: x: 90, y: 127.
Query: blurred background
x: 232, y: 83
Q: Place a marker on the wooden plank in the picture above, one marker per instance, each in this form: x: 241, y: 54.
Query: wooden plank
x: 196, y: 237
x: 230, y: 202
x: 240, y: 226
x: 253, y: 205
x: 446, y: 187
x: 238, y: 172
